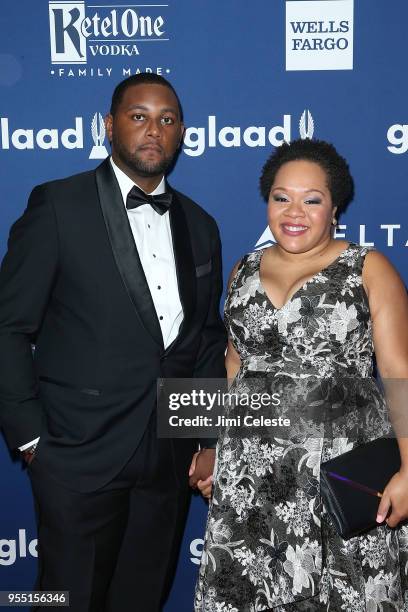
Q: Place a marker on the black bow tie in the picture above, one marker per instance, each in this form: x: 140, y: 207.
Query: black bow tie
x: 137, y: 197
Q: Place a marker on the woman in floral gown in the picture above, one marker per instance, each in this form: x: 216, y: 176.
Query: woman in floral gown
x: 309, y: 308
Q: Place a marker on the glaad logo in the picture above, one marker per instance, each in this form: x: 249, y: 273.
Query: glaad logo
x: 196, y: 550
x: 98, y: 131
x: 54, y: 138
x: 105, y: 32
x: 306, y: 125
x: 46, y: 138
x: 398, y: 138
x: 319, y: 35
x: 196, y: 139
x: 9, y: 549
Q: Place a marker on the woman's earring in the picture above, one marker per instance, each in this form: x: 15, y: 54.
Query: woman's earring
x: 334, y: 221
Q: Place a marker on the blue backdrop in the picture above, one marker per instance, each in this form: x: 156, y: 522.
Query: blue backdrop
x: 249, y: 75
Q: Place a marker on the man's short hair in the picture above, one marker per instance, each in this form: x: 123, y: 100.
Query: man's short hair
x: 141, y: 79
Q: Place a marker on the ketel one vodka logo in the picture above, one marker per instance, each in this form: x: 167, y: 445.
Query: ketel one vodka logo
x: 77, y: 33
x: 98, y: 132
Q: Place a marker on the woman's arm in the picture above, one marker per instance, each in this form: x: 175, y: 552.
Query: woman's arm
x: 388, y: 302
x: 232, y: 365
x: 232, y: 359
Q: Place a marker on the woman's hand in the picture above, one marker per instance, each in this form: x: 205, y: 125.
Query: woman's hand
x: 201, y: 468
x: 205, y: 487
x: 395, y: 496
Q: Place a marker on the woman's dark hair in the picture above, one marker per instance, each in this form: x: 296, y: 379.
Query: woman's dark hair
x: 339, y: 180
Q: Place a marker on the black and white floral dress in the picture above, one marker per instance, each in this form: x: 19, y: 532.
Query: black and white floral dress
x: 269, y: 544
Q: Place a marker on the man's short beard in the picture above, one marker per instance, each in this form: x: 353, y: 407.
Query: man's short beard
x: 137, y: 165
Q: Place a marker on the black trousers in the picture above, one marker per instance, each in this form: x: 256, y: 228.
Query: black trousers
x: 115, y: 549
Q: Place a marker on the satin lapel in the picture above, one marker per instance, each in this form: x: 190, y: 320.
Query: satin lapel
x: 185, y: 266
x: 124, y: 249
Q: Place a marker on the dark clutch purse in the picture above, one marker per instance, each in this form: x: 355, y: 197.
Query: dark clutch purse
x: 351, y: 484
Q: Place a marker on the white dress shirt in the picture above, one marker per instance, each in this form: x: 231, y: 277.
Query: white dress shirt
x: 152, y: 235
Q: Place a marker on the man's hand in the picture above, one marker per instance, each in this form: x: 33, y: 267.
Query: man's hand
x: 29, y: 453
x: 28, y: 456
x: 201, y: 470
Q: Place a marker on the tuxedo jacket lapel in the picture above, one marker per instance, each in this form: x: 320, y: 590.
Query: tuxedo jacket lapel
x: 124, y: 249
x: 185, y: 268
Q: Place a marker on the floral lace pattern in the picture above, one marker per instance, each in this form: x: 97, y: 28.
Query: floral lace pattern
x: 269, y: 543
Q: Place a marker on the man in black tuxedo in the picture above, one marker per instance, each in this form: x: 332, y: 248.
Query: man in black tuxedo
x: 115, y: 288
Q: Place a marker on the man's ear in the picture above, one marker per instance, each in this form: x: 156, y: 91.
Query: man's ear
x: 109, y: 126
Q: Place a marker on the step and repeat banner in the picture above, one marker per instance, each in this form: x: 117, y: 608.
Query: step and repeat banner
x: 249, y: 75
